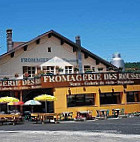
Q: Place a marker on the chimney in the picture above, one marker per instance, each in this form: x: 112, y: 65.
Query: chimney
x: 9, y: 39
x: 79, y: 54
x: 78, y: 41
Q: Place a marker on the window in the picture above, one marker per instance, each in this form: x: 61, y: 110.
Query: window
x: 100, y: 69
x: 80, y: 100
x: 48, y: 69
x: 49, y: 49
x: 133, y: 97
x: 110, y: 98
x: 30, y: 70
x: 86, y: 68
x: 93, y: 69
x: 68, y: 69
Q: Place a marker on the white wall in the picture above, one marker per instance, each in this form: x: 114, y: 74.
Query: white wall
x: 92, y: 62
x: 10, y: 66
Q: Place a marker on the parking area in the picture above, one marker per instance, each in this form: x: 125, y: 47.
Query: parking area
x: 120, y: 126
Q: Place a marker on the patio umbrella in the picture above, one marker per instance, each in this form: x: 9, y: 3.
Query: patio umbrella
x: 45, y: 98
x: 15, y: 103
x: 32, y: 103
x: 20, y: 103
x: 7, y: 100
x: 10, y: 104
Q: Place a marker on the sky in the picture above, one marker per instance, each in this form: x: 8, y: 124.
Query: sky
x: 105, y: 26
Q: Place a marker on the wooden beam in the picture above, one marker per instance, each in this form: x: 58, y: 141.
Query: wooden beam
x: 125, y: 86
x: 49, y: 35
x: 12, y: 54
x: 38, y: 41
x: 21, y: 99
x: 25, y: 47
x: 97, y: 62
x: 85, y: 55
x: 62, y: 42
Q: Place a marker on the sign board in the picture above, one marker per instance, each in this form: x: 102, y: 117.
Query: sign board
x: 92, y: 79
x: 71, y: 80
x: 20, y: 84
x: 42, y: 60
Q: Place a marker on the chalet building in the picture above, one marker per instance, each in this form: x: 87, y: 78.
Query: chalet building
x: 49, y: 53
x: 80, y: 80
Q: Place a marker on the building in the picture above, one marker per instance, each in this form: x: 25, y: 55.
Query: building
x: 80, y: 80
x: 49, y: 47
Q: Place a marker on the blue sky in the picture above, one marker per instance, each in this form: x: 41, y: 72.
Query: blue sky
x: 105, y: 26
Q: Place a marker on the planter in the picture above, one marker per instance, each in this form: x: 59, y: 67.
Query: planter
x: 16, y: 75
x: 58, y: 69
x: 5, y: 78
x: 88, y: 71
x: 26, y: 75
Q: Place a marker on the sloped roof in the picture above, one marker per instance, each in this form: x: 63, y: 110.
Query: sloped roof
x: 15, y: 44
x: 56, y: 61
x: 64, y: 40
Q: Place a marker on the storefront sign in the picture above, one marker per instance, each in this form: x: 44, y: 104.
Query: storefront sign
x: 35, y: 60
x: 91, y: 79
x: 20, y: 84
x: 42, y: 60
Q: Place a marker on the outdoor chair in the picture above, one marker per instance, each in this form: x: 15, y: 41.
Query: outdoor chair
x: 122, y: 114
x: 61, y: 116
x: 27, y: 115
x: 70, y: 115
x: 122, y: 111
x: 107, y: 113
x: 80, y: 117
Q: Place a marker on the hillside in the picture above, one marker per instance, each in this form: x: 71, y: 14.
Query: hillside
x: 135, y: 66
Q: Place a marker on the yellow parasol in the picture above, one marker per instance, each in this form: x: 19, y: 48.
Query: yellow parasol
x: 8, y: 100
x: 45, y: 98
x: 10, y: 104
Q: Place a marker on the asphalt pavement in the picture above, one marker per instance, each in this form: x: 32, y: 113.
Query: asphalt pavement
x: 126, y: 129
x: 65, y: 136
x: 120, y: 126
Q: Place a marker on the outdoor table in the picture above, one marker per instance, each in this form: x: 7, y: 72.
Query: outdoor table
x: 116, y: 112
x: 35, y: 117
x: 14, y: 118
x: 45, y: 116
